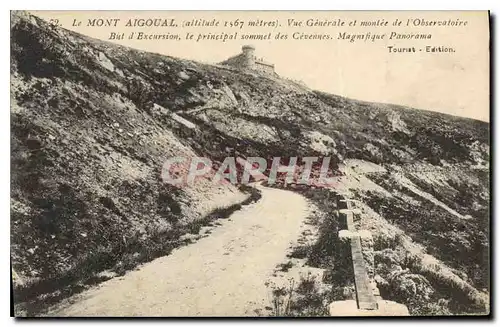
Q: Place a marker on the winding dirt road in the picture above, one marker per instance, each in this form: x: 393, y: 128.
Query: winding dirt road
x: 223, y: 274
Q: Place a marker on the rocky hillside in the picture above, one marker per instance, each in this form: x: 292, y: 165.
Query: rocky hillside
x: 93, y: 122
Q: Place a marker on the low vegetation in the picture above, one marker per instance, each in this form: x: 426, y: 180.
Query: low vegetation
x: 299, y: 299
x: 460, y: 243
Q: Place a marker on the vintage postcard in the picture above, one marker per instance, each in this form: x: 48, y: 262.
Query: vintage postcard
x: 250, y: 163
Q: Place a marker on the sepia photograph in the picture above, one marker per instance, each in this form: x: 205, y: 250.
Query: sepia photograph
x: 250, y: 164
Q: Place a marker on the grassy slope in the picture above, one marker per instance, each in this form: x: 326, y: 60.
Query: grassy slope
x: 459, y: 243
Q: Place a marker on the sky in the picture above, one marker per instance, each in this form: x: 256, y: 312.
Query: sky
x: 455, y: 83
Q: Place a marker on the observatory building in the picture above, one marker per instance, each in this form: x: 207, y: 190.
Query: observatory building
x: 247, y: 60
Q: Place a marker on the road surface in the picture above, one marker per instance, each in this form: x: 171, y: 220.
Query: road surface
x: 223, y: 274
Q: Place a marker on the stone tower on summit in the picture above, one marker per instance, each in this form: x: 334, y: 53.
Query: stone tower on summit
x: 247, y: 60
